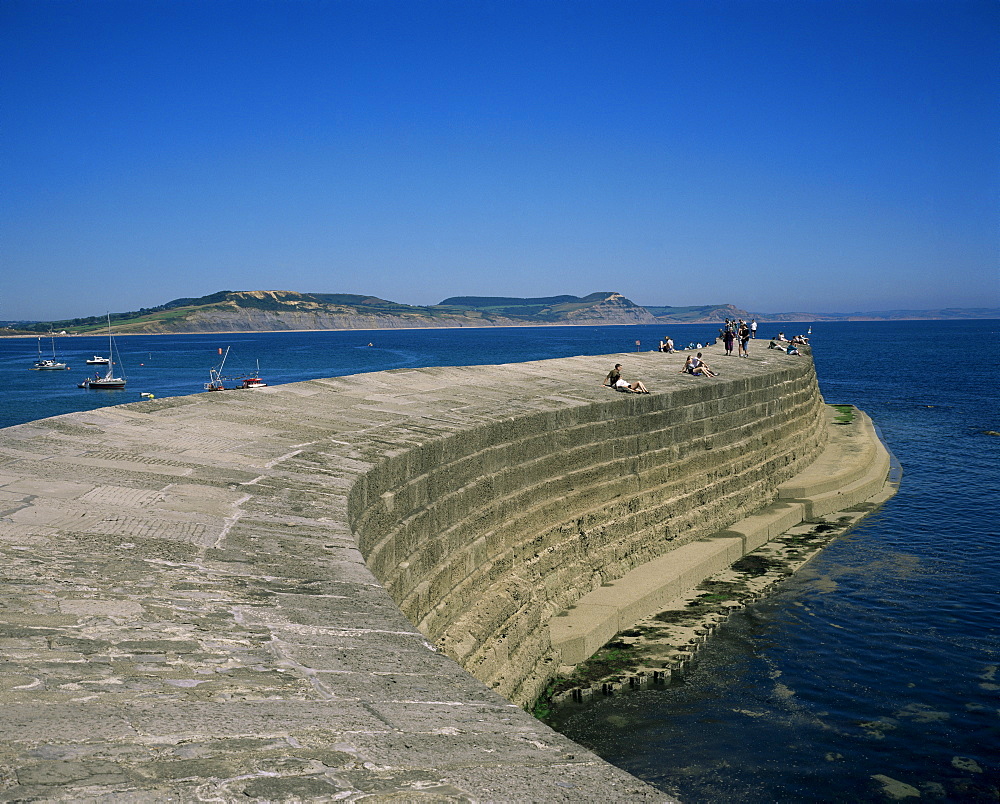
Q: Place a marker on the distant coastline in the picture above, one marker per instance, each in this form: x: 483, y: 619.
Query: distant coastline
x: 330, y: 329
x: 290, y: 311
x: 996, y: 317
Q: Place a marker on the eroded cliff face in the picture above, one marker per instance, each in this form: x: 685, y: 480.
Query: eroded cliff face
x: 247, y: 320
x: 616, y: 309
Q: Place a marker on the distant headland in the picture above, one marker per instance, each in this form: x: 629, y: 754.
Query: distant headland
x: 284, y: 310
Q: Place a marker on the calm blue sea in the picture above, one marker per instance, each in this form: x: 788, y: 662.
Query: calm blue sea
x: 874, y: 669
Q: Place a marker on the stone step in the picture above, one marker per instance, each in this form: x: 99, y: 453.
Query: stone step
x: 854, y: 457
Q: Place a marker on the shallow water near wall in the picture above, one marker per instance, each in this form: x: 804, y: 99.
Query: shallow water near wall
x: 873, y: 673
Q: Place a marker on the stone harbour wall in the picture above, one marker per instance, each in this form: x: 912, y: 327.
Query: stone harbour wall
x: 271, y: 595
x: 484, y: 535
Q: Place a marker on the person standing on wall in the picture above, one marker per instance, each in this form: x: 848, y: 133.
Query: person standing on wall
x: 728, y: 336
x: 744, y: 336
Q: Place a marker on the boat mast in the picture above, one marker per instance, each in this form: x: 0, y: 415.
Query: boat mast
x: 111, y: 354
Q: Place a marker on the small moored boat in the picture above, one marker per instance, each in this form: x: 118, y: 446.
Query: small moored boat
x: 253, y: 382
x: 46, y: 363
x: 216, y: 381
x: 109, y: 382
x: 97, y: 360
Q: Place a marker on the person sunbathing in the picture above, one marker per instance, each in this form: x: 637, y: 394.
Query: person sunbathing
x: 697, y: 367
x: 619, y: 383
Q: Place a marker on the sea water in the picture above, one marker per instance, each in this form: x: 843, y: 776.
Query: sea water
x: 871, y: 675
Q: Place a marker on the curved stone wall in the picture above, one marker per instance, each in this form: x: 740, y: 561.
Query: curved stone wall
x: 484, y: 535
x: 200, y: 593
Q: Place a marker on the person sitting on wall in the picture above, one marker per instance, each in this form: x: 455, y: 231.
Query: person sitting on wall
x: 690, y: 365
x: 791, y: 350
x: 616, y: 381
x: 697, y: 367
x: 705, y: 370
x: 773, y: 345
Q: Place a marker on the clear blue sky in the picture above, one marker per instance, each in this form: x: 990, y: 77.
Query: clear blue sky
x: 810, y: 155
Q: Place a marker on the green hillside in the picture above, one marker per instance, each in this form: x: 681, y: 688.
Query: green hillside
x: 257, y: 311
x: 282, y: 310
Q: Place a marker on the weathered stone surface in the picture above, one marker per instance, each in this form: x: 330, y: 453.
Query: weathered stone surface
x: 204, y: 597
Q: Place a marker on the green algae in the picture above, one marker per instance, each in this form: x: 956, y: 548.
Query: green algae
x: 845, y: 414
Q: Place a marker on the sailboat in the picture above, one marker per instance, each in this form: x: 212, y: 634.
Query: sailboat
x: 109, y: 382
x: 46, y: 364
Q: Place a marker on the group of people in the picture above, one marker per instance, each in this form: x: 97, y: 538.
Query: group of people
x: 694, y: 365
x: 738, y: 332
x: 736, y: 324
x: 733, y: 332
x: 667, y: 345
x: 781, y: 342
